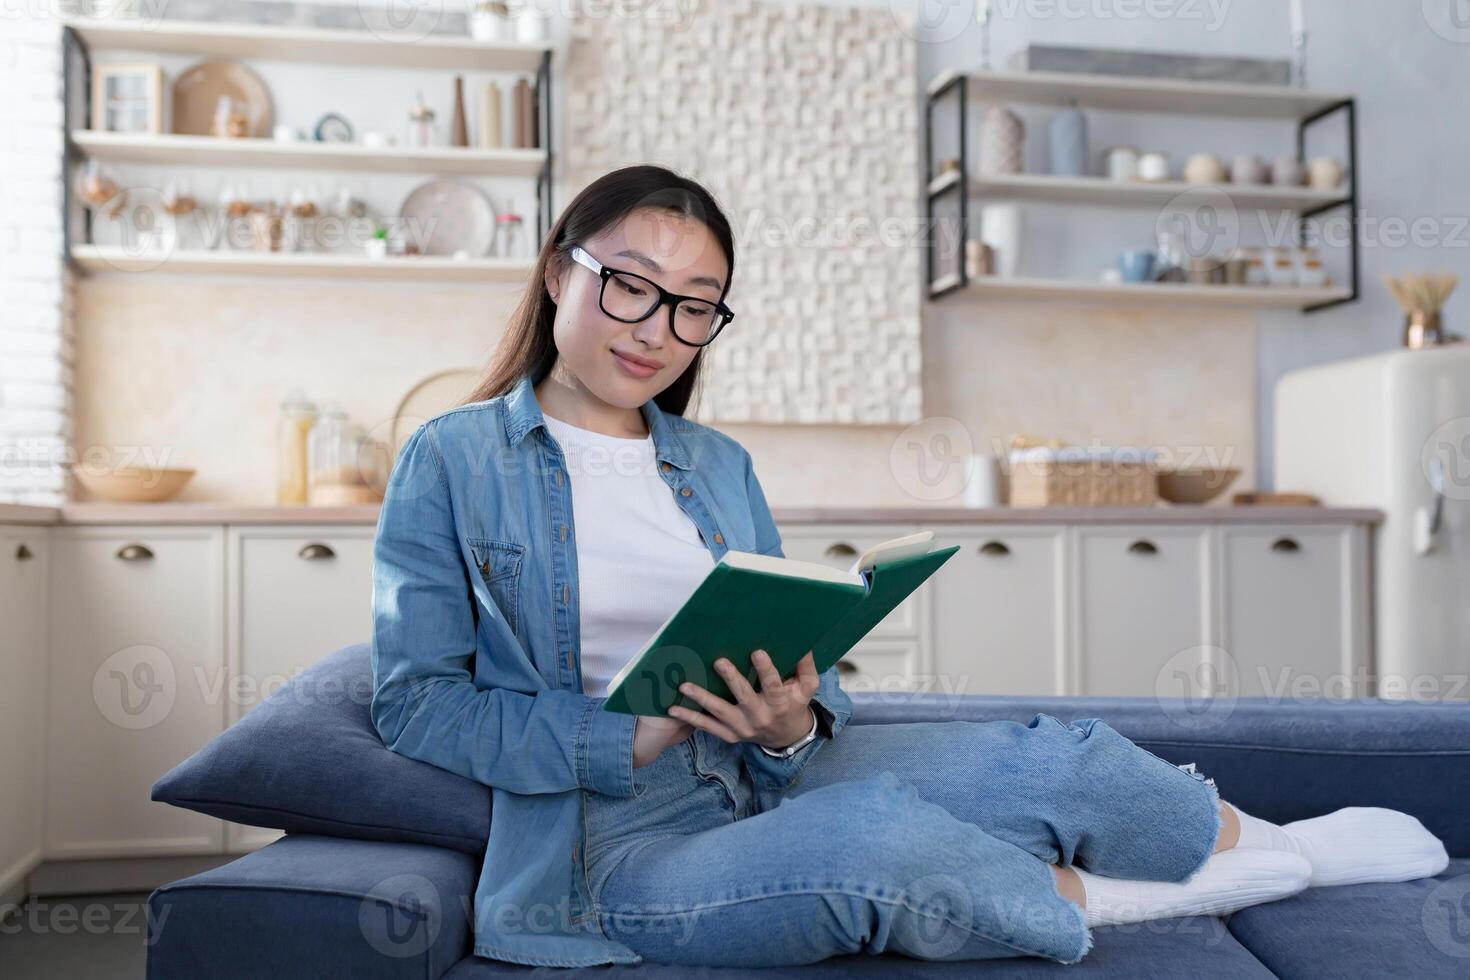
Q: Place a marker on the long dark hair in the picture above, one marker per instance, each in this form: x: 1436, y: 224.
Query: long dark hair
x: 527, y: 346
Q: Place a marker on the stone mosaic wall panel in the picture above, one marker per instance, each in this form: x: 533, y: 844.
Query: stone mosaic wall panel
x: 803, y: 122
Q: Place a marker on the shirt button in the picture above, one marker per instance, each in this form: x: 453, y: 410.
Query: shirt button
x: 685, y: 492
x: 719, y: 538
x: 665, y: 467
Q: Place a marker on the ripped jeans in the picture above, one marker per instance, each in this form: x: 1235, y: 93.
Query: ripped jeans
x: 932, y: 840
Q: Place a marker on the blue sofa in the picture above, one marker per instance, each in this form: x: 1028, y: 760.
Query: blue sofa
x: 317, y: 903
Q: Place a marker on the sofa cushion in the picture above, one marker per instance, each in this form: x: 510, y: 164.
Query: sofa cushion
x: 308, y: 760
x: 309, y: 906
x: 1417, y: 929
x: 1192, y: 948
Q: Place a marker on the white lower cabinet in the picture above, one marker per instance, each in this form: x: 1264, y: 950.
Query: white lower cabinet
x: 160, y: 636
x: 1141, y: 609
x: 1293, y: 625
x: 137, y: 683
x: 296, y: 593
x: 1154, y: 610
x: 24, y: 567
x: 999, y: 625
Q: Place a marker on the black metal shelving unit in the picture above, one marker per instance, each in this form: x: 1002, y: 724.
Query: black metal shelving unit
x: 957, y: 88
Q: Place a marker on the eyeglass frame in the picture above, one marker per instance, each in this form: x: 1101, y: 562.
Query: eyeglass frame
x: 585, y: 259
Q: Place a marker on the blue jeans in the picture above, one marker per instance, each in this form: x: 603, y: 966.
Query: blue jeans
x: 931, y: 840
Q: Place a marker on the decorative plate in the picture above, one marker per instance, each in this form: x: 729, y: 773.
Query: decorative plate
x: 444, y: 216
x: 197, y: 93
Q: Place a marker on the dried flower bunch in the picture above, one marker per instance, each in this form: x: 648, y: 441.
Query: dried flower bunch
x: 1422, y: 293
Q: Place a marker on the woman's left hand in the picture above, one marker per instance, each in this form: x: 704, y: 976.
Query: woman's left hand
x: 775, y: 716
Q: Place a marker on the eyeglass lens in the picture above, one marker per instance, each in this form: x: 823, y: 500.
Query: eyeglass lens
x: 632, y: 299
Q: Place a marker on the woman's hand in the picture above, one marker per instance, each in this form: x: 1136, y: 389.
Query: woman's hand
x: 775, y: 716
x: 652, y: 735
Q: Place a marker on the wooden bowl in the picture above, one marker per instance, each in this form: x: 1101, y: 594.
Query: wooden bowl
x: 1195, y: 486
x: 133, y: 485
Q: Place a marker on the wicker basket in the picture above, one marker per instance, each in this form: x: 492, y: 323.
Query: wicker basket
x: 1076, y: 477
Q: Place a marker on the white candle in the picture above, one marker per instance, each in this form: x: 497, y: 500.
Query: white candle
x: 1298, y: 17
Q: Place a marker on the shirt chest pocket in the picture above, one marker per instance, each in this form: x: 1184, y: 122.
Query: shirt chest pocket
x: 499, y: 563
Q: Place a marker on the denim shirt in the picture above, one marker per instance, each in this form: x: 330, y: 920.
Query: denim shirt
x: 475, y: 650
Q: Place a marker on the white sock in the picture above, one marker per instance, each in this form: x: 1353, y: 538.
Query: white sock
x: 1354, y: 845
x: 1227, y: 881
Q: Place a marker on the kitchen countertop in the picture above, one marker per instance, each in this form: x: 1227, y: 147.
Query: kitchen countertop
x: 190, y: 512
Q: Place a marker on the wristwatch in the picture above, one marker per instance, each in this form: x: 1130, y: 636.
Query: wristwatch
x: 797, y: 745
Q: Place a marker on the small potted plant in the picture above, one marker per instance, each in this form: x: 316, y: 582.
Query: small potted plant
x: 377, y: 246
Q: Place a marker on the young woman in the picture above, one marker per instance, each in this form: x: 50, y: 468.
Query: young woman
x: 534, y: 537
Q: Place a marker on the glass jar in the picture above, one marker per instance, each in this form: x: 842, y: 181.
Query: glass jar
x: 298, y: 417
x: 421, y: 129
x: 338, y: 476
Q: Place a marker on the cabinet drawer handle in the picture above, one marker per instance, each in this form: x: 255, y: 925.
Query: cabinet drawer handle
x: 134, y: 552
x: 996, y: 548
x: 841, y: 550
x: 22, y: 553
x: 1285, y: 546
x: 846, y: 667
x: 316, y: 551
x: 1143, y: 548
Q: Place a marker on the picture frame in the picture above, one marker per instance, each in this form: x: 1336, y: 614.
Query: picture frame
x: 128, y: 98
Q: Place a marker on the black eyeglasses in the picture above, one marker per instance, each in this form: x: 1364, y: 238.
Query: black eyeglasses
x: 630, y: 298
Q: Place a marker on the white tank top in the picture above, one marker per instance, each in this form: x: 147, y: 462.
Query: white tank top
x: 638, y: 555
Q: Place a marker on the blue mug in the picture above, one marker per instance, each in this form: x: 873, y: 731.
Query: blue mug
x: 1137, y: 266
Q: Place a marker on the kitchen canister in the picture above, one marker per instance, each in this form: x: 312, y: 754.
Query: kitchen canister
x: 489, y: 21
x: 1325, y: 174
x: 1248, y: 169
x: 1002, y: 137
x: 1153, y: 168
x: 984, y: 482
x: 1204, y: 168
x: 1068, y: 145
x: 1002, y: 227
x: 1122, y: 163
x: 1286, y: 172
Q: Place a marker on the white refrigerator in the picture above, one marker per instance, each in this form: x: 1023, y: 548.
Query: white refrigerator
x: 1392, y: 431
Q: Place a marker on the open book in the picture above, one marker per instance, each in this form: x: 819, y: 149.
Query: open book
x: 786, y: 607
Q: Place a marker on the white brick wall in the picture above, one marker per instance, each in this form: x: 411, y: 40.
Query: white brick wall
x: 37, y: 322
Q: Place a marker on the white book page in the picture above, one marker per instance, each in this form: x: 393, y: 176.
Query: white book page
x: 893, y: 549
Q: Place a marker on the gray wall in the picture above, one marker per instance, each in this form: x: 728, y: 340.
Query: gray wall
x: 1403, y: 59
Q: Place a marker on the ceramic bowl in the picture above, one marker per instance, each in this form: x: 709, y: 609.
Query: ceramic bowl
x: 1195, y: 486
x: 133, y: 485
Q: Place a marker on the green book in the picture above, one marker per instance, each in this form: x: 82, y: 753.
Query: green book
x: 786, y: 607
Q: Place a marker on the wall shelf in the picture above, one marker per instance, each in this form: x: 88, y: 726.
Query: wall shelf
x: 352, y: 48
x: 377, y: 49
x: 104, y: 259
x: 1175, y: 295
x: 1147, y: 95
x: 1046, y: 189
x: 1123, y: 93
x: 172, y: 149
